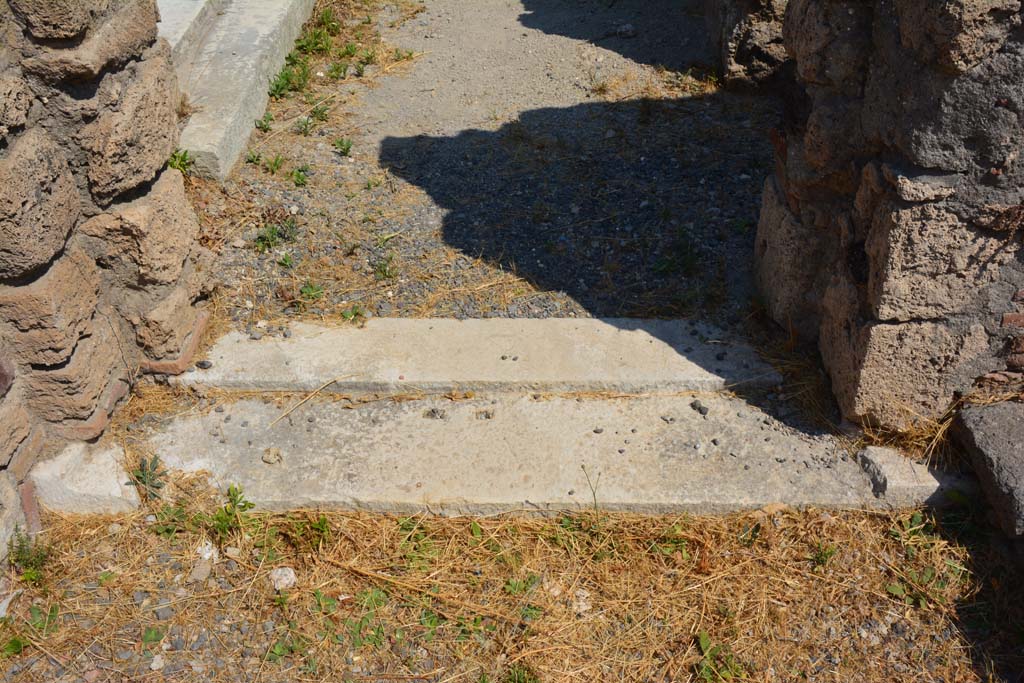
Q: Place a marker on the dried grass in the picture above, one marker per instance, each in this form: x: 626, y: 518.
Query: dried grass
x: 573, y: 598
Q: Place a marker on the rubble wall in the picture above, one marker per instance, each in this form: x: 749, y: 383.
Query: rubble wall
x: 100, y: 272
x: 892, y: 229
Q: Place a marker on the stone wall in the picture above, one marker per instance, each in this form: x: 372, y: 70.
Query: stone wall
x: 891, y: 232
x: 99, y: 268
x: 746, y: 39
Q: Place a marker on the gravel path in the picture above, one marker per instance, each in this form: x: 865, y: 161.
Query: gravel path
x: 534, y: 159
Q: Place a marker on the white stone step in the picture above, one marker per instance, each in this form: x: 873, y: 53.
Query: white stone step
x: 227, y: 76
x: 509, y: 452
x: 523, y: 355
x: 185, y: 23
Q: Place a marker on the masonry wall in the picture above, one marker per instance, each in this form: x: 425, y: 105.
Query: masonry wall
x: 891, y: 231
x: 100, y: 272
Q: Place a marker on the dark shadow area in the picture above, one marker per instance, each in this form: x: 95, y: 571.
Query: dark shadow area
x: 645, y: 208
x: 669, y: 33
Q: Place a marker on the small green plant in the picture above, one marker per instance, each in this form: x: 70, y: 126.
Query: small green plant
x: 360, y: 69
x: 44, y: 622
x: 320, y: 112
x: 263, y: 124
x: 343, y: 146
x: 521, y: 586
x: 286, y: 261
x: 273, y: 165
x: 315, y: 41
x: 229, y: 520
x: 671, y: 542
x: 353, y: 313
x: 384, y: 269
x: 717, y: 663
x: 27, y: 555
x: 338, y: 70
x: 106, y: 577
x: 403, y: 55
x: 324, y: 604
x: 152, y: 635
x: 304, y: 125
x: 919, y: 588
x: 170, y: 521
x: 148, y: 477
x: 14, y: 647
x: 821, y: 554
x: 181, y: 160
x: 293, y: 77
x: 311, y: 291
x: 300, y: 176
x: 368, y: 57
x: 253, y: 157
x: 273, y: 235
x: 350, y: 50
x: 520, y: 674
x: 329, y: 22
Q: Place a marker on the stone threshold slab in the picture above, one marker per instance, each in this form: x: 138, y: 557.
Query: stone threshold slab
x: 227, y: 75
x: 505, y: 453
x: 441, y: 355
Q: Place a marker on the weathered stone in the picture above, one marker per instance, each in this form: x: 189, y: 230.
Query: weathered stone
x: 15, y: 100
x: 14, y: 427
x: 162, y: 330
x: 901, y: 482
x: 746, y: 36
x: 154, y: 233
x: 71, y: 391
x: 93, y: 426
x: 7, y: 375
x: 992, y: 435
x: 188, y: 353
x: 956, y: 35
x: 893, y: 374
x: 50, y: 315
x: 57, y: 19
x: 85, y: 479
x: 925, y: 263
x: 123, y: 37
x: 786, y: 256
x: 39, y: 204
x: 129, y: 144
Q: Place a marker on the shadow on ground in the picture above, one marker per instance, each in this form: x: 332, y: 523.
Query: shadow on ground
x: 667, y: 33
x: 643, y: 208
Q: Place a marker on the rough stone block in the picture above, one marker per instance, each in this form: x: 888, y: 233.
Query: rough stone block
x: 85, y: 479
x: 956, y: 35
x: 993, y: 436
x: 56, y: 19
x: 925, y: 263
x: 71, y: 391
x: 39, y: 204
x: 15, y: 100
x: 163, y: 329
x: 786, y: 256
x: 49, y: 316
x: 129, y: 144
x: 747, y: 37
x: 151, y: 235
x: 1013, y: 320
x: 123, y: 37
x: 14, y: 427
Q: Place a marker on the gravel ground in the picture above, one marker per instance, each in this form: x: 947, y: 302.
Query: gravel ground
x: 530, y: 160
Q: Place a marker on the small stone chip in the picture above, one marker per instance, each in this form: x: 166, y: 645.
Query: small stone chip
x: 272, y: 456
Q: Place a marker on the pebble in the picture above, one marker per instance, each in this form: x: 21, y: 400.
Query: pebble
x: 158, y: 663
x: 163, y: 611
x: 200, y: 572
x: 283, y: 578
x: 204, y: 364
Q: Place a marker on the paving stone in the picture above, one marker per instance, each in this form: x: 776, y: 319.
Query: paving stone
x: 85, y: 479
x: 993, y: 436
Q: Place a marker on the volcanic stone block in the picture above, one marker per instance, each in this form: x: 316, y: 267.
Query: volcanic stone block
x: 39, y: 204
x: 993, y: 435
x: 129, y: 144
x: 71, y: 391
x: 57, y: 19
x: 50, y: 315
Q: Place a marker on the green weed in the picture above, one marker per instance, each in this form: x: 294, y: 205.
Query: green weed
x: 263, y: 124
x: 320, y: 112
x: 717, y: 662
x: 304, y: 125
x: 343, y: 146
x: 300, y: 176
x: 149, y: 478
x: 337, y: 70
x: 273, y: 235
x: 28, y: 555
x: 253, y: 157
x: 182, y: 161
x: 311, y: 291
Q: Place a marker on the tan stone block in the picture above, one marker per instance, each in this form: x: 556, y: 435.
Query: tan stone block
x: 123, y: 37
x: 786, y: 257
x: 164, y: 328
x: 153, y: 233
x: 15, y: 100
x: 926, y: 263
x: 14, y: 426
x: 48, y: 317
x: 72, y: 391
x: 130, y: 143
x: 39, y: 204
x: 57, y: 19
